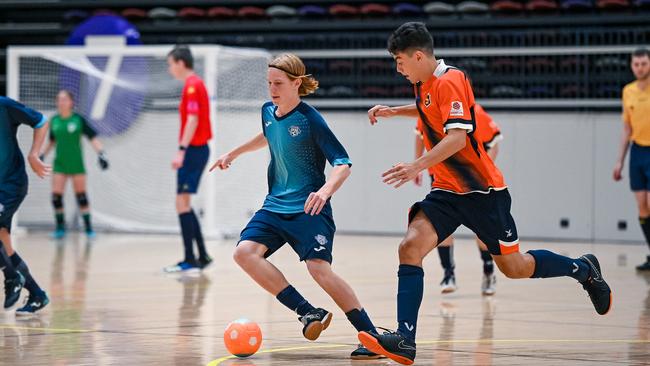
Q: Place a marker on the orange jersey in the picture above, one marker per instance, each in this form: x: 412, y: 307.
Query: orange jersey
x: 419, y: 130
x: 487, y: 131
x: 446, y: 101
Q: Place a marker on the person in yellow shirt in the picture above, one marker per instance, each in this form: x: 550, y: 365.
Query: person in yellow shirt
x: 636, y: 129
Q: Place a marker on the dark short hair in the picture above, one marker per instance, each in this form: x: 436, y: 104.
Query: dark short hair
x: 640, y: 52
x: 409, y: 37
x: 68, y: 93
x: 183, y: 53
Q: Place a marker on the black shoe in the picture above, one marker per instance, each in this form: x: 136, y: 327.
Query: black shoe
x: 645, y: 266
x: 205, y: 262
x: 390, y: 344
x: 596, y: 287
x: 315, y: 322
x: 13, y: 286
x: 362, y: 353
x: 34, y: 303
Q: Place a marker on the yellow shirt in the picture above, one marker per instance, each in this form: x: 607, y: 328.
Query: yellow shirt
x: 636, y: 112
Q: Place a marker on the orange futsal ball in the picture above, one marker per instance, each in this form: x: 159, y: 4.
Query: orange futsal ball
x: 242, y: 337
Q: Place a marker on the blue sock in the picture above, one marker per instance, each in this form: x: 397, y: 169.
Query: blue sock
x: 360, y: 320
x: 30, y: 283
x: 290, y: 298
x: 187, y: 231
x: 446, y: 260
x: 5, y: 264
x: 549, y: 264
x: 410, y: 288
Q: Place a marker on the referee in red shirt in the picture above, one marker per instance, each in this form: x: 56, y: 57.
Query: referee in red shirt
x: 192, y: 155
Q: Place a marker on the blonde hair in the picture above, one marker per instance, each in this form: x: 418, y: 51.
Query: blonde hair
x: 293, y: 66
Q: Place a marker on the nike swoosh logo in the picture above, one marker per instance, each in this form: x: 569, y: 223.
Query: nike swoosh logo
x: 319, y: 249
x: 36, y: 304
x: 575, y: 268
x: 17, y: 288
x: 409, y: 327
x: 405, y: 346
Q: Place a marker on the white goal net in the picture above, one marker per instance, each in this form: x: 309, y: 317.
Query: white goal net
x: 127, y: 95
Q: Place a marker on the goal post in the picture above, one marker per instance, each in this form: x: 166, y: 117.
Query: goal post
x: 127, y: 95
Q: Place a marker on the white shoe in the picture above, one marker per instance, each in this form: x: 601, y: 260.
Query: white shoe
x: 448, y: 284
x: 488, y: 287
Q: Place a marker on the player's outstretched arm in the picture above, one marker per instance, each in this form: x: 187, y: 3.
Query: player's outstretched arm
x: 41, y: 169
x: 408, y: 110
x: 256, y: 143
x: 622, y: 151
x: 403, y: 172
x: 317, y: 200
x: 419, y: 150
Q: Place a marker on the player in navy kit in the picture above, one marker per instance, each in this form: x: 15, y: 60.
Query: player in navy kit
x: 13, y: 189
x: 297, y: 208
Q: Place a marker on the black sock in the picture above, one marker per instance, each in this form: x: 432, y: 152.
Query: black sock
x: 60, y: 220
x: 488, y: 264
x: 446, y: 259
x: 360, y: 320
x: 645, y: 227
x: 187, y: 231
x: 86, y: 217
x: 5, y: 264
x: 198, y: 236
x: 30, y: 283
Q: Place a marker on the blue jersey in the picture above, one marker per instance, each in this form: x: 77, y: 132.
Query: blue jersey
x: 12, y: 164
x: 300, y: 142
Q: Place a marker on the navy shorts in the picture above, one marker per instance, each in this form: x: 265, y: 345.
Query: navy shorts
x: 640, y: 168
x: 10, y: 201
x: 189, y: 175
x: 311, y: 237
x: 487, y: 215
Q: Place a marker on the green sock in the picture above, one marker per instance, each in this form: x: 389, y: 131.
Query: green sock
x: 86, y: 218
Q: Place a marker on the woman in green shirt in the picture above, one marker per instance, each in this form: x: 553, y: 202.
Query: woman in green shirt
x: 66, y: 128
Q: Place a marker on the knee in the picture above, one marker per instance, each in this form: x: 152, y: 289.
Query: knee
x: 57, y: 201
x: 241, y: 256
x: 82, y: 199
x: 182, y: 204
x: 318, y: 269
x: 409, y: 251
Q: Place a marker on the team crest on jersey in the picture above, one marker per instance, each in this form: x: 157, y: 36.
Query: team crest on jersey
x: 427, y: 100
x: 321, y: 239
x: 294, y: 131
x: 190, y: 90
x: 456, y: 109
x: 72, y: 127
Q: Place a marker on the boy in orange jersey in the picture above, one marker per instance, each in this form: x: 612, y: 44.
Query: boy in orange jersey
x: 468, y: 190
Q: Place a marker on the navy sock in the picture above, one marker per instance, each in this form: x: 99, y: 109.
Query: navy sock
x: 645, y: 227
x: 410, y: 288
x: 488, y: 263
x: 187, y: 230
x: 290, y: 298
x: 5, y: 264
x: 549, y: 264
x: 360, y: 320
x: 30, y: 283
x: 446, y: 259
x: 198, y: 236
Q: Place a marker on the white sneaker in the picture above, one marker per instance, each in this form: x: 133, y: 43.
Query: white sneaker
x: 448, y: 284
x: 488, y: 287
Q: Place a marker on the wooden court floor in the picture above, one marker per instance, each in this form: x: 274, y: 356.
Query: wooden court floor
x: 111, y: 305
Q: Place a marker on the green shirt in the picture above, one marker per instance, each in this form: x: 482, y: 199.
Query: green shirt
x: 66, y: 132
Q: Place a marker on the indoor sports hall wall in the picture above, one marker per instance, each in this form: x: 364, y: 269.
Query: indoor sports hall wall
x: 558, y: 165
